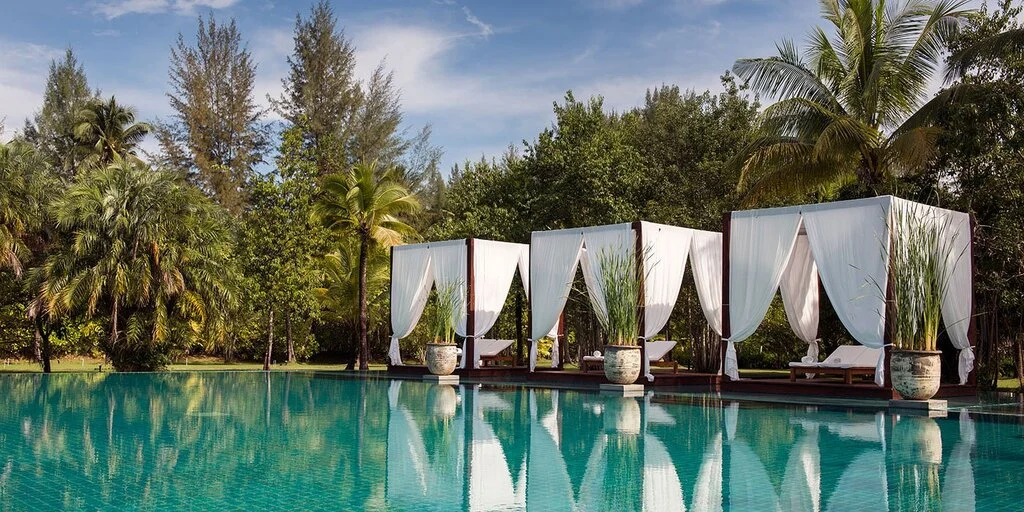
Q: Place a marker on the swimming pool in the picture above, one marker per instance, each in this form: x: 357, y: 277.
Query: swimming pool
x: 289, y: 441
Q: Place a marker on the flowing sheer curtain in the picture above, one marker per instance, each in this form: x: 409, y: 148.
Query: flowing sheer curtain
x: 850, y: 246
x: 615, y: 240
x: 553, y: 261
x: 411, y: 278
x: 706, y: 263
x: 759, y: 250
x: 450, y: 267
x: 494, y: 267
x: 957, y: 303
x: 664, y: 263
x: 799, y: 289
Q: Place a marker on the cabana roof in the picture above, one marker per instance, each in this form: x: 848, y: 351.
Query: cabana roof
x: 845, y: 244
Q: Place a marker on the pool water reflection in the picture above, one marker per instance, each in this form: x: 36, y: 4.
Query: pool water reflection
x: 224, y: 441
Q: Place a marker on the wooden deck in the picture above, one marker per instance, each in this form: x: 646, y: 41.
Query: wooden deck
x: 662, y: 378
x: 831, y: 388
x: 693, y: 381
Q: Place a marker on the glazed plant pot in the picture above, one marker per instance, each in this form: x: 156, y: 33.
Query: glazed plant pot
x: 622, y: 363
x: 441, y: 358
x: 916, y: 374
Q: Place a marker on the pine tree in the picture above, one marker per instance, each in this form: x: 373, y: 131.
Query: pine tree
x: 321, y: 93
x: 375, y: 135
x: 67, y: 92
x: 217, y: 134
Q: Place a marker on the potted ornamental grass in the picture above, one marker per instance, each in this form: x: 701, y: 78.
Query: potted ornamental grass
x: 919, y: 251
x: 442, y: 353
x: 621, y: 286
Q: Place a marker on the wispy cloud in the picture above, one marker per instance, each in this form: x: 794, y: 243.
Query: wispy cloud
x: 614, y: 5
x: 23, y: 69
x: 485, y: 29
x: 116, y: 8
x: 106, y: 33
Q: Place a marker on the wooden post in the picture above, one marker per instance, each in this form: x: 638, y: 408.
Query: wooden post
x: 638, y: 250
x: 972, y: 378
x: 469, y: 356
x: 726, y: 325
x: 561, y: 340
x: 519, y: 329
x: 391, y: 287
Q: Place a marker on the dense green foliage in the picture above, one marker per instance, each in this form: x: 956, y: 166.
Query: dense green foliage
x: 240, y: 233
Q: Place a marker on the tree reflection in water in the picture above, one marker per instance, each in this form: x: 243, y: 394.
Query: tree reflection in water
x: 293, y: 441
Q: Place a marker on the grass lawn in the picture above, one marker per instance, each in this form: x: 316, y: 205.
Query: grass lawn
x: 87, y: 364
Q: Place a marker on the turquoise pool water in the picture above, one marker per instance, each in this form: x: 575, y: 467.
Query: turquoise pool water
x: 249, y: 441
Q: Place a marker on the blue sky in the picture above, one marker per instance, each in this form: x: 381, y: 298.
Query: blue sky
x: 483, y: 73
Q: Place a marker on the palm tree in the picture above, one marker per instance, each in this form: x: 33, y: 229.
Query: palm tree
x: 22, y: 197
x: 145, y: 247
x: 367, y: 202
x: 338, y: 294
x: 850, y: 108
x: 107, y: 130
x: 1001, y: 45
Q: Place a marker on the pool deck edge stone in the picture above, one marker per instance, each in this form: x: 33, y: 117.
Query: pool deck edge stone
x: 441, y: 379
x: 627, y: 390
x: 932, y: 405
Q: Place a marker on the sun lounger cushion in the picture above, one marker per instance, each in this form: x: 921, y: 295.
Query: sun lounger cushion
x: 491, y: 348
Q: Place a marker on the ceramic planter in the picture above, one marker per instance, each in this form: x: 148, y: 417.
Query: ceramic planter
x: 622, y: 363
x: 441, y: 358
x: 916, y: 374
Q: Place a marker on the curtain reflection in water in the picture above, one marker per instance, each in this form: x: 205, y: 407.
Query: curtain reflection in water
x: 292, y: 441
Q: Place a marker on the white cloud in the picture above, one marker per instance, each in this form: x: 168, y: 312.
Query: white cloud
x: 485, y: 29
x: 615, y: 5
x: 115, y: 8
x: 23, y: 70
x: 106, y: 33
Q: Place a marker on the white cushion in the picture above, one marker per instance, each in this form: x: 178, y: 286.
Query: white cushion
x: 593, y: 358
x: 657, y: 349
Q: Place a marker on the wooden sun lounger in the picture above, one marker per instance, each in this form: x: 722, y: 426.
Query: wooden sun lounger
x: 847, y: 373
x: 847, y: 360
x: 490, y: 352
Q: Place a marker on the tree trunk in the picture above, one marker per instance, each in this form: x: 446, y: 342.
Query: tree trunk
x: 364, y: 348
x: 353, y: 335
x: 42, y: 339
x: 270, y: 342
x: 113, y: 324
x: 37, y: 344
x: 288, y: 333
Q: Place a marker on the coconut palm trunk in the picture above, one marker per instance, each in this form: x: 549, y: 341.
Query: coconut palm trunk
x: 364, y: 249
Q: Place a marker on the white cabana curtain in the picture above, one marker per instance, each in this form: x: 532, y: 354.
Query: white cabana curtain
x: 494, y: 267
x: 665, y: 249
x: 799, y: 289
x: 449, y: 264
x: 849, y: 246
x: 706, y: 263
x: 760, y: 248
x: 956, y: 305
x: 553, y: 261
x: 411, y: 277
x: 616, y: 240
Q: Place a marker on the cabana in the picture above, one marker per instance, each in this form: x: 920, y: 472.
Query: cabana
x: 845, y: 245
x: 555, y: 255
x: 483, y: 270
